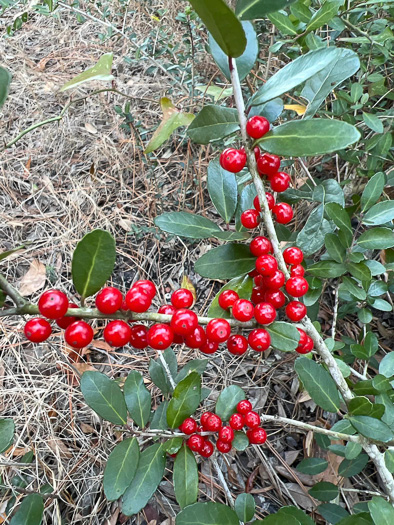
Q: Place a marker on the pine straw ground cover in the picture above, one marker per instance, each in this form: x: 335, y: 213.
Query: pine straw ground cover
x: 86, y: 172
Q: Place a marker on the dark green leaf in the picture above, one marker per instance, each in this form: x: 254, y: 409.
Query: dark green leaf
x: 196, y: 365
x: 243, y: 285
x: 159, y: 419
x: 324, y: 14
x: 349, y: 468
x: 341, y: 219
x: 360, y: 406
x: 352, y: 287
x: 359, y: 351
x: 226, y: 262
x: 364, y: 388
x: 100, y: 71
x: 334, y: 247
x: 185, y: 400
x: 120, y: 469
x: 377, y: 288
x: 373, y: 122
x: 352, y: 450
x: 380, y: 213
x: 3, y: 298
x: 104, y: 396
x: 241, y: 441
x: 185, y: 477
x: 327, y: 269
x: 372, y: 191
x: 301, y: 12
x: 159, y: 376
x: 7, y: 430
x: 173, y: 445
x: 5, y: 81
x: 381, y: 383
x: 186, y: 224
x: 343, y: 426
x: 137, y: 398
x: 329, y: 191
x: 386, y: 365
x: 372, y: 428
x: 93, y: 262
x: 389, y: 460
x: 332, y: 513
x: 381, y: 511
x: 371, y: 344
x: 357, y: 519
x: 228, y: 400
x: 277, y: 519
x: 291, y: 513
x: 380, y: 304
x: 3, y: 255
x: 312, y: 466
x: 245, y: 507
x: 270, y: 110
x: 207, y: 514
x: 311, y: 237
x: 213, y: 123
x: 284, y: 336
x: 223, y: 190
x: 377, y: 239
x: 364, y: 315
x: 360, y: 271
x: 251, y: 9
x: 283, y: 23
x: 30, y: 511
x: 324, y: 491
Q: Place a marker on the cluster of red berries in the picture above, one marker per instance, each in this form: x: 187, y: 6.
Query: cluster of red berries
x: 210, y: 422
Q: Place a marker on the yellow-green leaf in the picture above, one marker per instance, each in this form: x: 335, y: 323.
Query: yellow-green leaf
x: 100, y: 71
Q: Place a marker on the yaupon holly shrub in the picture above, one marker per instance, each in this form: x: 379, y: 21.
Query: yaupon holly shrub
x: 275, y: 283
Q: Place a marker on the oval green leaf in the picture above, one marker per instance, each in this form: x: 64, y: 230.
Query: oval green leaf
x: 372, y: 428
x: 120, y: 469
x: 30, y: 511
x: 311, y: 237
x: 213, y: 123
x: 100, y: 71
x: 223, y: 190
x: 226, y: 262
x: 228, y: 400
x: 241, y: 441
x: 372, y: 191
x: 284, y: 336
x: 324, y: 491
x: 381, y: 511
x: 332, y: 513
x: 137, y: 397
x: 380, y: 213
x: 252, y: 9
x: 386, y: 366
x: 324, y: 14
x: 185, y: 477
x: 7, y: 430
x: 245, y: 507
x: 327, y: 269
x: 5, y: 81
x: 207, y: 514
x: 312, y: 466
x: 187, y: 225
x: 185, y: 400
x: 242, y: 285
x: 377, y: 239
x: 283, y: 23
x: 104, y: 396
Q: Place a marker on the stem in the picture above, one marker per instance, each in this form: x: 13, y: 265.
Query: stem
x: 167, y: 369
x: 223, y: 482
x: 12, y: 292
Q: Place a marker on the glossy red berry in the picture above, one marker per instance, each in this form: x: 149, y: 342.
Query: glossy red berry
x: 257, y: 127
x: 243, y: 407
x: 207, y: 449
x: 167, y: 309
x: 257, y: 153
x: 283, y: 212
x: 252, y: 419
x: 260, y: 246
x: 233, y: 160
x: 227, y: 299
x: 37, y: 330
x: 195, y: 442
x: 265, y: 313
x: 305, y: 346
x: 184, y: 322
x: 218, y: 330
x: 79, y: 334
x: 204, y: 417
x: 189, y: 426
x: 297, y: 271
x: 276, y: 298
x: 295, y: 311
x: 223, y: 447
x: 270, y: 200
x: 258, y: 280
x: 268, y: 164
x: 297, y: 286
x: 53, y: 304
x: 117, y: 333
x: 257, y: 436
x: 258, y: 295
x: 197, y: 338
x: 226, y: 434
x: 236, y: 421
x: 266, y: 265
x: 243, y: 310
x: 250, y: 219
x: 147, y: 286
x: 160, y: 336
x: 209, y: 347
x: 182, y: 298
x: 139, y: 336
x: 237, y: 344
x: 109, y: 300
x: 137, y: 300
x: 64, y: 322
x: 213, y: 423
x: 302, y: 341
x: 259, y: 340
x: 280, y: 182
x: 293, y: 255
x: 274, y: 281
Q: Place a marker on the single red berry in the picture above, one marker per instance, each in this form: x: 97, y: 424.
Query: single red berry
x: 207, y: 449
x: 250, y: 219
x: 64, y: 322
x: 266, y: 265
x: 223, y: 447
x: 257, y: 153
x: 139, y: 336
x: 256, y: 204
x: 160, y: 336
x: 197, y: 338
x: 227, y: 299
x: 233, y: 160
x: 218, y: 330
x: 209, y: 347
x: 280, y: 182
x: 53, y: 304
x: 302, y: 341
x: 137, y: 300
x: 252, y: 419
x: 37, y: 330
x: 259, y: 280
x: 204, y: 417
x: 147, y: 286
x: 283, y: 212
x: 253, y: 273
x: 270, y: 200
x: 259, y: 340
x: 213, y: 423
x: 297, y: 286
x: 184, y: 322
x: 257, y: 436
x: 293, y: 255
x: 117, y: 333
x: 109, y: 300
x: 237, y: 421
x: 265, y: 313
x: 182, y: 298
x: 226, y: 434
x: 167, y: 309
x: 295, y: 311
x: 257, y: 127
x: 260, y: 246
x: 243, y: 310
x: 306, y: 347
x: 276, y: 298
x: 258, y: 295
x: 243, y: 407
x: 189, y: 426
x: 297, y: 271
x: 79, y: 334
x: 268, y: 164
x: 275, y: 281
x: 237, y: 344
x: 195, y: 443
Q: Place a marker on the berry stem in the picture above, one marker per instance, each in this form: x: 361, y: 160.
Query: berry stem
x: 12, y: 292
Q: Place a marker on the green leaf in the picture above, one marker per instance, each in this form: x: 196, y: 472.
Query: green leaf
x: 328, y: 191
x: 301, y: 11
x: 223, y: 190
x: 137, y: 397
x: 318, y: 383
x: 159, y: 376
x: 306, y: 138
x: 389, y: 460
x: 352, y: 450
x: 284, y: 336
x: 327, y: 269
x: 277, y: 519
x: 324, y: 491
x: 364, y: 315
x: 362, y: 518
x: 373, y: 122
x: 270, y: 110
x: 252, y: 9
x: 312, y: 466
x: 93, y: 262
x: 159, y: 419
x: 360, y: 406
x: 311, y: 237
x: 5, y: 81
x: 228, y: 400
x: 360, y: 271
x: 283, y: 23
x: 371, y: 344
x: 173, y: 445
x: 104, y: 396
x: 382, y: 511
x: 7, y: 431
x: 380, y: 213
x: 172, y: 120
x: 332, y: 513
x: 377, y: 239
x: 343, y: 426
x: 100, y: 71
x: 245, y: 62
x: 381, y: 383
x: 186, y: 224
x: 372, y: 428
x: 334, y: 247
x: 226, y: 262
x: 340, y: 218
x: 352, y: 287
x: 324, y: 14
x: 218, y: 93
x: 245, y: 507
x: 291, y: 513
x: 196, y: 365
x: 185, y: 400
x: 207, y: 514
x: 3, y: 255
x: 213, y: 123
x: 380, y: 304
x: 120, y: 469
x: 372, y: 191
x: 30, y: 511
x: 386, y: 366
x: 352, y: 467
x: 241, y: 441
x: 185, y: 477
x: 146, y: 480
x: 243, y: 285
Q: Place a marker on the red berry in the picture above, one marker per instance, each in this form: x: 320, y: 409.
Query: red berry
x: 189, y: 426
x: 79, y: 334
x: 253, y: 273
x: 302, y: 341
x: 37, y: 330
x: 259, y: 340
x: 209, y: 347
x: 237, y: 421
x: 268, y: 164
x: 243, y: 310
x: 226, y: 434
x: 237, y: 344
x: 233, y: 160
x: 167, y: 309
x: 184, y: 322
x: 256, y: 204
x: 259, y: 280
x: 109, y: 300
x: 260, y: 246
x: 199, y: 429
x: 270, y: 200
x: 53, y: 304
x: 306, y: 345
x: 137, y: 300
x: 265, y: 313
x: 223, y: 447
x: 258, y: 295
x: 243, y: 407
x: 117, y: 333
x: 295, y: 311
x: 297, y: 271
x: 297, y: 286
x: 207, y: 449
x: 227, y: 299
x: 283, y: 212
x: 147, y: 286
x: 160, y: 336
x: 257, y: 436
x: 218, y: 330
x: 197, y: 338
x: 195, y: 443
x: 204, y: 417
x: 64, y: 322
x: 293, y: 255
x: 138, y: 336
x: 257, y: 127
x: 250, y: 219
x: 275, y: 281
x: 213, y: 423
x: 182, y: 298
x: 257, y: 153
x: 280, y: 182
x: 266, y: 265
x: 178, y: 339
x: 252, y: 419
x: 276, y: 298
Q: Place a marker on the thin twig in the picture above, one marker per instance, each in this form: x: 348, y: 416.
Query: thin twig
x: 12, y: 292
x: 223, y: 482
x: 167, y: 369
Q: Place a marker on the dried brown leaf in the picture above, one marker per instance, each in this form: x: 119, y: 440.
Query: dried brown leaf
x: 34, y: 279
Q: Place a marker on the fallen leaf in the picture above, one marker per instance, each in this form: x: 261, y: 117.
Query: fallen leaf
x: 34, y: 279
x: 90, y: 128
x: 186, y: 283
x: 298, y: 108
x: 58, y: 447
